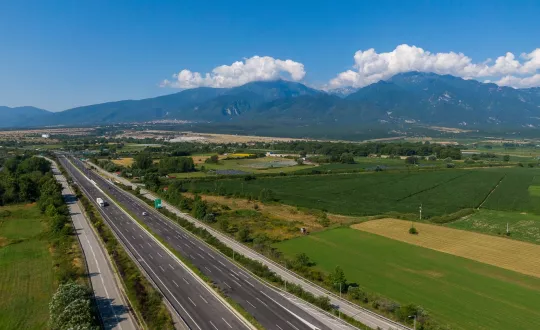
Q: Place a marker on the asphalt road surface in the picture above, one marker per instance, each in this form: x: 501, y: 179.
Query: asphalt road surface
x: 112, y: 308
x: 197, y: 305
x: 271, y: 308
x: 367, y: 317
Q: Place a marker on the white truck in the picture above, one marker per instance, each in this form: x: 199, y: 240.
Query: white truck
x: 101, y: 202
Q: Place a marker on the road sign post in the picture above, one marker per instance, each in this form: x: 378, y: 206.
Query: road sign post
x: 157, y: 203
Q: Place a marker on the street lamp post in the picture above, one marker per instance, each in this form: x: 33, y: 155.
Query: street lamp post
x: 414, y: 321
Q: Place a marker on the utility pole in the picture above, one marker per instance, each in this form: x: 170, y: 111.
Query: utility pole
x: 507, y: 228
x: 340, y: 299
x: 420, y: 212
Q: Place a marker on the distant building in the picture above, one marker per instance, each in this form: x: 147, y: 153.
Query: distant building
x: 45, y: 136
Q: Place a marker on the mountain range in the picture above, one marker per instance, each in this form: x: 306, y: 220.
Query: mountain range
x: 407, y: 98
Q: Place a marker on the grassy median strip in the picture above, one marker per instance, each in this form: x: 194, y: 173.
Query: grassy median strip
x: 194, y: 269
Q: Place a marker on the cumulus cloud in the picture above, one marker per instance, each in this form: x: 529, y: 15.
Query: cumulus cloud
x: 256, y: 68
x: 370, y: 67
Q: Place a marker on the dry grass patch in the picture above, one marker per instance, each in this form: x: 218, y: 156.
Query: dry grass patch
x: 128, y: 161
x: 279, y: 211
x: 497, y: 251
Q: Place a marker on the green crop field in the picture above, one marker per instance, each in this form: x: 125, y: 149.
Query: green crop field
x: 459, y: 292
x: 440, y: 192
x: 26, y: 270
x: 516, y: 191
x: 523, y: 226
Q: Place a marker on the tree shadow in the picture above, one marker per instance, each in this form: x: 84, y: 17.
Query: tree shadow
x: 111, y: 313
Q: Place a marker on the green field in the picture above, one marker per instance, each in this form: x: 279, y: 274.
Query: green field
x: 459, y: 292
x: 26, y: 269
x: 523, y: 226
x: 440, y: 192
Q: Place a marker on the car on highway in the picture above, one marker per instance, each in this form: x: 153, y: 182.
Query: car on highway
x: 145, y: 213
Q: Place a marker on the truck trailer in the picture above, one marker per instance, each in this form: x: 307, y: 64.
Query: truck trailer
x: 101, y: 202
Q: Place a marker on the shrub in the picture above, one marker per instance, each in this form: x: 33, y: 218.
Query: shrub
x: 413, y: 231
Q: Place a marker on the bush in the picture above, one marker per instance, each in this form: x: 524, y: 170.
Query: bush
x: 413, y: 231
x: 70, y: 308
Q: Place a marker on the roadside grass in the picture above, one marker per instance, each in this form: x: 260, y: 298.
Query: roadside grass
x: 440, y: 192
x: 27, y: 280
x: 522, y: 226
x: 462, y: 293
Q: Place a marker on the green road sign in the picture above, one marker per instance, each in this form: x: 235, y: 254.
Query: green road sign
x: 157, y: 203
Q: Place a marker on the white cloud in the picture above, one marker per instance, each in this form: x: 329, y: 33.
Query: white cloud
x: 256, y: 68
x: 520, y: 82
x: 370, y: 67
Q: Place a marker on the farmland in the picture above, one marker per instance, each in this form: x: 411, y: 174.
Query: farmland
x: 497, y: 251
x: 440, y: 192
x: 523, y: 226
x: 26, y: 272
x: 462, y: 293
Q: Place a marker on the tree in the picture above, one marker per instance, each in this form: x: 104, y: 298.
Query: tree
x: 212, y: 159
x: 303, y: 154
x: 506, y: 158
x: 337, y: 280
x: 411, y: 160
x: 299, y: 161
x: 143, y: 161
x: 70, y: 308
x: 243, y: 234
x: 347, y: 158
x: 302, y: 260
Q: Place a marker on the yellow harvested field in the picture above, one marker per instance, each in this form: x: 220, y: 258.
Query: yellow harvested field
x: 201, y: 159
x: 497, y: 251
x: 123, y: 161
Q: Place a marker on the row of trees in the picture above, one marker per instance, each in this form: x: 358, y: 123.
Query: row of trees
x: 22, y: 178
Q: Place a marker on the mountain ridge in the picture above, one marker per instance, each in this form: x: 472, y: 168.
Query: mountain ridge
x: 406, y: 98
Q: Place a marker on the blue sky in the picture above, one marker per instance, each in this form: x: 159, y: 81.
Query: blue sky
x: 61, y: 54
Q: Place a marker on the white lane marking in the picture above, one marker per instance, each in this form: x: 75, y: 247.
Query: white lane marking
x: 215, y: 326
x: 222, y: 263
x: 141, y: 246
x: 234, y: 276
x: 162, y: 269
x: 186, y: 245
x: 216, y: 267
x: 149, y: 244
x: 211, y: 256
x: 203, y: 299
x: 226, y: 322
x: 262, y: 302
x: 171, y: 267
x: 151, y: 257
x: 280, y: 328
x: 133, y: 236
x: 191, y: 256
x: 298, y: 317
x: 227, y: 285
x: 140, y: 235
x: 192, y: 302
x: 200, y: 248
x: 251, y: 304
x: 237, y: 283
x: 185, y: 281
x: 200, y: 255
x: 208, y: 269
x: 159, y: 255
x: 292, y: 325
x: 175, y: 283
x: 248, y: 282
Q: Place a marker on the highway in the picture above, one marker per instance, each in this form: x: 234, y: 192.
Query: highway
x: 113, y: 310
x: 367, y: 317
x: 271, y: 308
x: 198, y: 306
